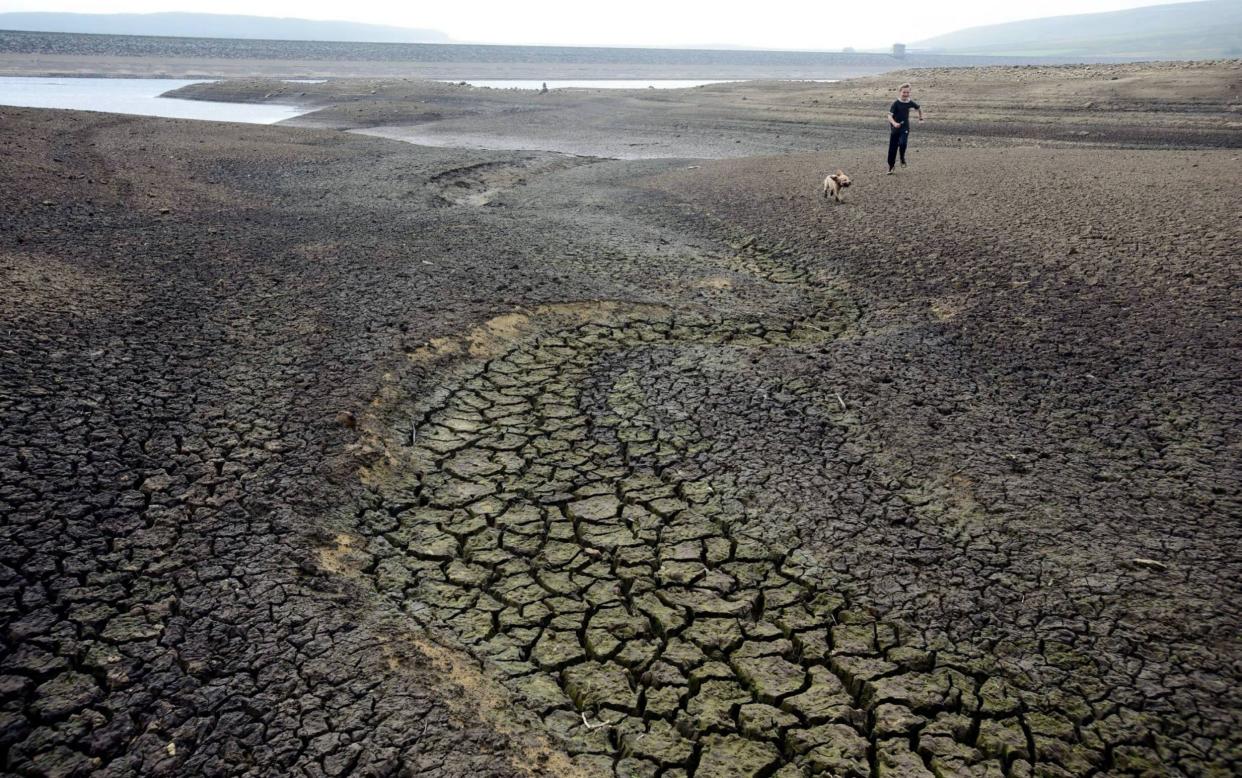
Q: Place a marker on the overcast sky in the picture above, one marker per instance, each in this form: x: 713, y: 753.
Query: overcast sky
x: 787, y: 24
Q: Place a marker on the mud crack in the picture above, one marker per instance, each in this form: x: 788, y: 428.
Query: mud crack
x: 657, y: 621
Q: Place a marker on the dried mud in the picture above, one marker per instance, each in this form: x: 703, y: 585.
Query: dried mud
x: 328, y: 455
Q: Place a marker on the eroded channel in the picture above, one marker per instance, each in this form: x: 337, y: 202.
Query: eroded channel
x: 549, y: 508
x: 657, y: 623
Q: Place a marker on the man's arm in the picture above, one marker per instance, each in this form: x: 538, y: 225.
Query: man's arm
x: 920, y: 114
x: 895, y: 124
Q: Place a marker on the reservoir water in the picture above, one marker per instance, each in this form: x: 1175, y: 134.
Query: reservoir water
x: 134, y: 96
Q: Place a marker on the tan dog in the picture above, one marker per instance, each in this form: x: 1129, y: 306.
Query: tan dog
x: 833, y: 185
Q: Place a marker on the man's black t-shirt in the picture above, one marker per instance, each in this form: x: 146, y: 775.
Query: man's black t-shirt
x: 901, y: 112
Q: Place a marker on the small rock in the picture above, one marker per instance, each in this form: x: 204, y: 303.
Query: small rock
x: 1150, y: 564
x: 347, y: 420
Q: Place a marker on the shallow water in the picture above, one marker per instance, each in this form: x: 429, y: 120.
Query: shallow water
x: 140, y: 96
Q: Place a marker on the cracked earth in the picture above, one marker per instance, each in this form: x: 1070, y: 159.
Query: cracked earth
x: 328, y: 455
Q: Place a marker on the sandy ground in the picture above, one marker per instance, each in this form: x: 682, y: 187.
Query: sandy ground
x: 324, y: 454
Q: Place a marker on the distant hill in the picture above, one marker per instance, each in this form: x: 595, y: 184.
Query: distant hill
x: 1201, y: 30
x: 195, y: 25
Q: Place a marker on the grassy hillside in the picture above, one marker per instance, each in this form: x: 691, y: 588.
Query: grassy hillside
x: 197, y: 25
x: 1197, y: 30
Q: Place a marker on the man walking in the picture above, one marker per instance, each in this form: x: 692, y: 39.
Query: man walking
x: 899, y: 125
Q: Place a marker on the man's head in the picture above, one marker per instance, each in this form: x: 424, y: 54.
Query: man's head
x: 903, y: 92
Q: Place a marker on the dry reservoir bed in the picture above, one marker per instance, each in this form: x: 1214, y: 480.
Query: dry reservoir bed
x: 330, y: 455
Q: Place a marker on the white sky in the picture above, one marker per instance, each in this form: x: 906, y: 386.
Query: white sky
x: 787, y: 24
